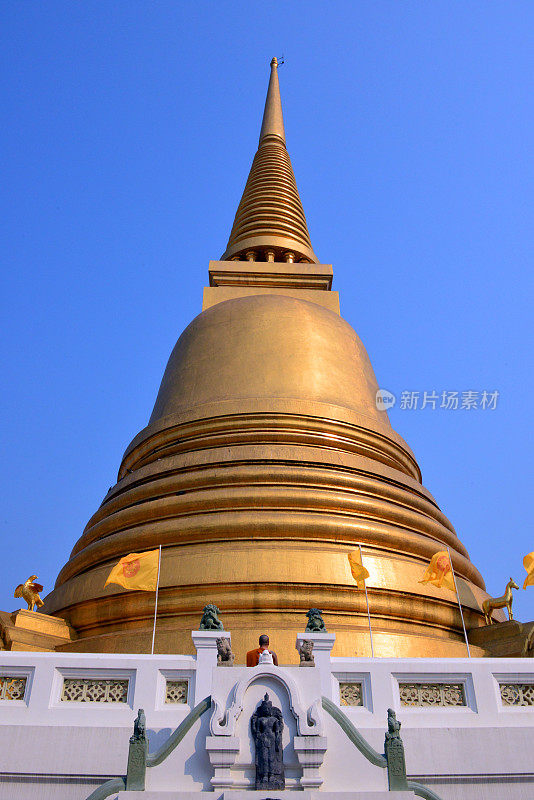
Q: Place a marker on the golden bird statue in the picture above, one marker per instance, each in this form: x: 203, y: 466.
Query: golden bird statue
x: 29, y: 591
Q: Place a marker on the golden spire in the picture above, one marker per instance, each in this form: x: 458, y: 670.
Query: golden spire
x: 270, y: 218
x: 272, y: 126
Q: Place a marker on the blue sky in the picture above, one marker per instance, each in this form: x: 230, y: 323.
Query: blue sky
x: 129, y: 129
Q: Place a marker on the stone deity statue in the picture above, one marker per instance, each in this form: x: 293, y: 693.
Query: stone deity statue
x: 267, y: 726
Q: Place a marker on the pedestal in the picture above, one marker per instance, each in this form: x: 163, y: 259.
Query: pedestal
x: 222, y: 752
x: 31, y: 630
x: 136, y: 772
x: 394, y: 750
x: 310, y: 752
x: 322, y: 648
x: 510, y: 639
x: 206, y: 646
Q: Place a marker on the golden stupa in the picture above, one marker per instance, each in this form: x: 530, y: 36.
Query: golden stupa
x: 264, y: 463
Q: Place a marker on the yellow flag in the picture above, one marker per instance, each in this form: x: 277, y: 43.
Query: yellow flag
x: 439, y: 571
x: 528, y: 563
x: 136, y: 571
x: 359, y: 573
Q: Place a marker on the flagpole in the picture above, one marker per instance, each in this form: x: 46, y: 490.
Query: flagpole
x: 156, y: 603
x: 367, y: 601
x: 459, y: 603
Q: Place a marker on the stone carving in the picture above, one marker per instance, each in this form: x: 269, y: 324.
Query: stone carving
x: 139, y: 731
x: 315, y: 621
x: 137, y: 755
x: 394, y: 751
x: 94, y: 690
x: 210, y: 619
x: 505, y: 601
x: 29, y: 591
x: 517, y: 694
x: 432, y: 694
x: 394, y: 726
x: 267, y: 726
x: 305, y: 649
x: 350, y: 694
x: 12, y: 687
x: 225, y: 657
x: 176, y: 691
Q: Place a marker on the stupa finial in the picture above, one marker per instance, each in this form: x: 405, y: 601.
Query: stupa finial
x: 272, y: 126
x: 270, y: 224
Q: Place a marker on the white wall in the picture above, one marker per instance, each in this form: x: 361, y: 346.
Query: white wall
x: 62, y: 750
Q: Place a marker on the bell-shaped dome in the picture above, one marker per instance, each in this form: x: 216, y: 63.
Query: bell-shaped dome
x: 269, y: 349
x: 264, y: 464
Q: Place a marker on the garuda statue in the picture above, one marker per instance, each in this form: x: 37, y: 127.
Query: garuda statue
x: 29, y: 591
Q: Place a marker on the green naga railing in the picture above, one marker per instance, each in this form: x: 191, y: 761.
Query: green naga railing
x: 422, y: 791
x: 393, y: 759
x: 139, y: 759
x: 354, y: 735
x: 176, y: 737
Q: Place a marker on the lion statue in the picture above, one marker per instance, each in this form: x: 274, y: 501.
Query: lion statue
x: 305, y: 649
x: 210, y: 619
x: 225, y: 657
x: 315, y: 621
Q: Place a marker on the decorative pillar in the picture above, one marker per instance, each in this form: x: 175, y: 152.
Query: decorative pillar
x: 206, y: 646
x: 322, y: 647
x: 394, y: 751
x: 137, y: 756
x: 222, y: 752
x: 310, y: 752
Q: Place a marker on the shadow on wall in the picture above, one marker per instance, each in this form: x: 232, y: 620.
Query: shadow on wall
x: 198, y: 764
x: 157, y: 738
